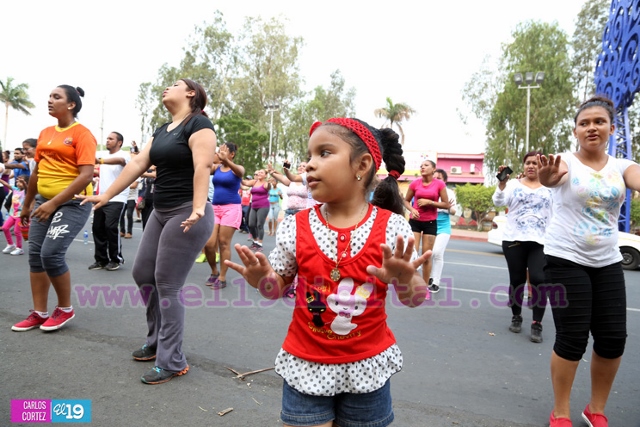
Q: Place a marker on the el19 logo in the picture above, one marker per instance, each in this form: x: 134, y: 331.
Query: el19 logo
x: 70, y: 411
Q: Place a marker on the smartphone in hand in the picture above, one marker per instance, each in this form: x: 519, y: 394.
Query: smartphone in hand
x: 286, y: 165
x: 503, y: 175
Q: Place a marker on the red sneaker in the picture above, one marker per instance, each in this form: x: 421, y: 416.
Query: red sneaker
x: 33, y: 321
x: 57, y: 320
x: 594, y: 420
x: 559, y: 422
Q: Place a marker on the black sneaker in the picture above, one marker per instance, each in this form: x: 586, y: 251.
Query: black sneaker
x: 158, y: 375
x: 536, y: 332
x: 144, y: 354
x: 516, y: 324
x: 112, y: 266
x: 96, y: 266
x: 434, y: 289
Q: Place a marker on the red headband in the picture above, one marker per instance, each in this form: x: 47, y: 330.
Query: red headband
x: 359, y: 129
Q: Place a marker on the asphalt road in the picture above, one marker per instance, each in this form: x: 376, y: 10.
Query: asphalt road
x: 462, y: 365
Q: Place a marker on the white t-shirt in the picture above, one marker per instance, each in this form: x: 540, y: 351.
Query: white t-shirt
x: 452, y: 199
x: 310, y: 201
x: 584, y: 224
x: 133, y: 192
x: 529, y: 211
x: 109, y: 173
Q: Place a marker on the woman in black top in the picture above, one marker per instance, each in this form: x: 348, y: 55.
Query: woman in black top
x: 179, y: 226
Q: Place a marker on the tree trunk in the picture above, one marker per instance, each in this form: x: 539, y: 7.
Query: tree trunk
x: 401, y: 134
x: 6, y: 123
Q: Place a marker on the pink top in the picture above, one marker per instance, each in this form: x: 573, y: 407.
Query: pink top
x: 429, y: 191
x: 297, y: 196
x: 259, y: 197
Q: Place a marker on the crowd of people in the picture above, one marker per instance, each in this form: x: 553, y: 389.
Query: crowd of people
x: 343, y: 239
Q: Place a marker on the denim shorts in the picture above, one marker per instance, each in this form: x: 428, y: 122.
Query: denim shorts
x: 346, y: 410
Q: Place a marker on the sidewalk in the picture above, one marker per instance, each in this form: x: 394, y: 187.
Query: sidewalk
x: 460, y: 234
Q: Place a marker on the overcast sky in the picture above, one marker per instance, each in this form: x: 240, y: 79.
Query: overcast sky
x: 418, y: 53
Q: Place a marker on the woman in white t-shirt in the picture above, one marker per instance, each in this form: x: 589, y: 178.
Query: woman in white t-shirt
x: 583, y: 262
x: 529, y: 204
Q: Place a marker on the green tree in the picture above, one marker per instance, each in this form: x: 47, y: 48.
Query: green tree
x: 14, y: 96
x: 481, y: 90
x: 635, y: 212
x: 334, y: 101
x: 268, y: 74
x: 210, y: 59
x: 587, y: 44
x: 145, y: 106
x: 395, y: 114
x: 476, y: 197
x: 535, y: 47
x: 634, y: 125
x: 242, y: 73
x: 245, y: 134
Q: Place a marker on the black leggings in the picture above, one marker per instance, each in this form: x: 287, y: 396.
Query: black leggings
x: 592, y: 299
x: 128, y: 212
x: 257, y: 217
x: 523, y: 256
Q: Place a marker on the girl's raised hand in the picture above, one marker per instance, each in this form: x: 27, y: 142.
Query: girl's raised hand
x: 397, y: 266
x: 223, y: 153
x: 256, y: 266
x: 550, y: 172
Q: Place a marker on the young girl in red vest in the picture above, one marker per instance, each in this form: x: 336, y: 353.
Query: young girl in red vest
x: 339, y: 353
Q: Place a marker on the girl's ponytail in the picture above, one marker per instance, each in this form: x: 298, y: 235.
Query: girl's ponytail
x: 387, y: 194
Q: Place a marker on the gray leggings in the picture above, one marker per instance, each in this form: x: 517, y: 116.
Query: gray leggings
x: 257, y: 218
x: 50, y: 239
x: 165, y: 256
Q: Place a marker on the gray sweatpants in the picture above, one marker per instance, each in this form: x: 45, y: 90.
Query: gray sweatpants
x: 164, y: 259
x: 50, y: 239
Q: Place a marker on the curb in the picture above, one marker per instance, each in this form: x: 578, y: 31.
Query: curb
x: 480, y: 237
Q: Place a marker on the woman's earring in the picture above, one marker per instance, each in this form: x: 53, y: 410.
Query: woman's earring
x: 358, y: 177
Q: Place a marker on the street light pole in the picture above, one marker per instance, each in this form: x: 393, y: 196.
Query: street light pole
x: 526, y: 143
x: 271, y: 108
x: 528, y: 79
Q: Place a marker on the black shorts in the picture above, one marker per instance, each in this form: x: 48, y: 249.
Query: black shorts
x: 424, y: 227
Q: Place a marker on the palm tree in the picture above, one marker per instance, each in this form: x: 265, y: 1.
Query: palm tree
x: 16, y: 97
x: 395, y: 114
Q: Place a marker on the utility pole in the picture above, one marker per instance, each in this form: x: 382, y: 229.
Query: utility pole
x: 101, y: 126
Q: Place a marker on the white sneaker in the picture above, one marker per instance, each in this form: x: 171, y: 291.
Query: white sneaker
x: 17, y: 251
x: 8, y: 249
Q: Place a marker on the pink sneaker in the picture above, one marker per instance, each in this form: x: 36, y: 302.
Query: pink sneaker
x: 33, y: 321
x: 559, y: 422
x: 594, y: 420
x: 57, y: 320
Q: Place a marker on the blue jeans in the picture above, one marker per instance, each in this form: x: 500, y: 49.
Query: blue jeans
x: 372, y: 409
x: 245, y: 218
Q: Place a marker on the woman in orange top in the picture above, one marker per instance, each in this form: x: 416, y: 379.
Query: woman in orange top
x: 65, y: 156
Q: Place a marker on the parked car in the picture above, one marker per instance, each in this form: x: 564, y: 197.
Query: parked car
x: 629, y: 243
